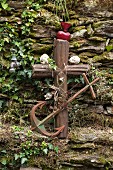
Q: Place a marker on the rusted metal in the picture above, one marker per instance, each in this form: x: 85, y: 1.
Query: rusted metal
x: 39, y: 125
x: 82, y: 90
x: 90, y: 86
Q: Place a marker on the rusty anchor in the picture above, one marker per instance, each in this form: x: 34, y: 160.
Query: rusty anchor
x: 36, y: 124
x: 39, y: 125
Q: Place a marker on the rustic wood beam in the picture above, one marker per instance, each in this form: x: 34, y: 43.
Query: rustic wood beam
x: 40, y: 70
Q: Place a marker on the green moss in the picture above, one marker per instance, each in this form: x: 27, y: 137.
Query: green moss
x: 102, y: 57
x: 4, y: 62
x: 97, y: 39
x: 76, y: 44
x: 42, y: 48
x: 111, y: 41
x: 84, y: 58
x: 49, y: 6
x: 97, y: 24
x: 102, y: 160
x: 78, y: 28
x: 74, y: 22
x: 88, y: 54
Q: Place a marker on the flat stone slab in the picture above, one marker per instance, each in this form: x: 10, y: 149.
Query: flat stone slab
x: 84, y: 135
x: 30, y: 168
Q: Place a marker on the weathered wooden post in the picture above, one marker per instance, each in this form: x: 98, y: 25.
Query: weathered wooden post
x: 61, y: 54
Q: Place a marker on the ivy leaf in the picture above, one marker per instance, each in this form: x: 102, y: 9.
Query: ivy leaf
x: 45, y: 151
x: 6, y: 39
x: 56, y: 149
x: 23, y: 160
x: 4, y: 5
x: 3, y: 151
x: 1, y: 103
x: 4, y: 161
x: 70, y: 80
x: 16, y: 156
x: 81, y: 79
x: 77, y: 80
x: 50, y: 146
x: 109, y: 48
x: 29, y: 73
x: 17, y: 43
x: 20, y: 52
x: 30, y: 58
x: 1, y: 29
x: 11, y: 35
x: 15, y: 97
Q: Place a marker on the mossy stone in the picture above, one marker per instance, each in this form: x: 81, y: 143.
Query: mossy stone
x: 103, y: 57
x: 42, y: 48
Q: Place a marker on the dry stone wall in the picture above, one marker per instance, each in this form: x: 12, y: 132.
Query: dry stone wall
x: 91, y: 40
x: 90, y: 141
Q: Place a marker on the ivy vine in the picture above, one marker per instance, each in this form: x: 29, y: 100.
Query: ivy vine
x: 14, y: 34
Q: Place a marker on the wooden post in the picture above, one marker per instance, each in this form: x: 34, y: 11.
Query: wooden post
x: 61, y: 53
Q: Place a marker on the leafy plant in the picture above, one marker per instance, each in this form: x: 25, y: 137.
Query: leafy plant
x: 52, y: 64
x: 109, y: 48
x: 4, y: 5
x: 46, y: 147
x: 28, y: 18
x: 61, y: 9
x: 76, y: 80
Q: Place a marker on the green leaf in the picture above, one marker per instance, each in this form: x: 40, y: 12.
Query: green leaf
x: 77, y: 80
x: 30, y: 58
x: 1, y: 29
x: 29, y: 73
x: 1, y: 48
x: 28, y: 24
x: 23, y: 160
x: 3, y: 151
x: 6, y: 39
x: 31, y: 20
x: 1, y: 103
x: 15, y: 97
x: 56, y: 149
x: 50, y: 146
x: 70, y: 81
x: 17, y: 43
x: 109, y: 48
x: 4, y: 5
x: 81, y: 79
x: 16, y: 156
x: 3, y: 161
x: 45, y: 151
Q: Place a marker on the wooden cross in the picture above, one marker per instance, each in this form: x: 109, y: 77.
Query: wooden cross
x: 61, y: 54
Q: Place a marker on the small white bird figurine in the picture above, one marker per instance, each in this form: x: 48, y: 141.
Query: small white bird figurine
x: 48, y: 96
x: 44, y: 59
x: 74, y: 60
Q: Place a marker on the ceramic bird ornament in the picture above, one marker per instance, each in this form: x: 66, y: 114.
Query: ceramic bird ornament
x: 44, y: 59
x: 74, y: 60
x: 48, y: 96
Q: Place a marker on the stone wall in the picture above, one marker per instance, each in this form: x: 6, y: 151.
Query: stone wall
x: 91, y: 40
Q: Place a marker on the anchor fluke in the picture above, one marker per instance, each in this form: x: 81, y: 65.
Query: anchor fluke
x: 37, y: 126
